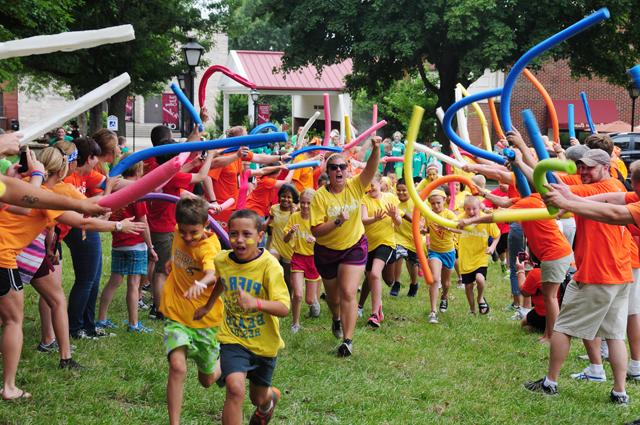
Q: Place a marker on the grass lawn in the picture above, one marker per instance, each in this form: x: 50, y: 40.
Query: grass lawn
x: 466, y: 370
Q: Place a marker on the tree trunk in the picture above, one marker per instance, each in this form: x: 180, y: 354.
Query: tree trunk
x: 448, y: 73
x: 95, y: 118
x: 117, y: 106
x: 83, y: 125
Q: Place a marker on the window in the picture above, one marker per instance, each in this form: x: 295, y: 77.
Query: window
x: 622, y: 142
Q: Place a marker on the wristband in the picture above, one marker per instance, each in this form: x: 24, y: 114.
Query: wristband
x: 520, y: 271
x: 200, y: 284
x: 37, y: 173
x: 258, y: 304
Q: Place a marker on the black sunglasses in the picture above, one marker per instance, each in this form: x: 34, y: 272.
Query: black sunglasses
x: 334, y: 167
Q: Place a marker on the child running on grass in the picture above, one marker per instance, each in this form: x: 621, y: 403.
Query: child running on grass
x: 191, y: 317
x: 442, y: 254
x: 279, y: 215
x: 128, y: 258
x: 405, y: 247
x: 255, y: 296
x: 303, y: 269
x: 474, y: 253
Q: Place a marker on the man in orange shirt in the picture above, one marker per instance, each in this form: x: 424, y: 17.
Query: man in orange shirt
x: 595, y: 303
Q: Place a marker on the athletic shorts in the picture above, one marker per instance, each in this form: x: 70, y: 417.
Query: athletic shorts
x: 411, y: 256
x: 469, y: 278
x: 501, y: 248
x: 236, y: 358
x: 634, y: 293
x: 536, y: 321
x: 448, y: 259
x: 201, y: 344
x: 327, y: 260
x: 162, y: 242
x: 590, y: 310
x: 304, y: 264
x: 9, y: 279
x: 129, y: 263
x: 382, y: 252
x: 555, y: 271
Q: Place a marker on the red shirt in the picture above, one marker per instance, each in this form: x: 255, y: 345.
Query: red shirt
x: 504, y: 227
x: 135, y: 210
x: 260, y: 199
x: 162, y: 214
x: 533, y: 285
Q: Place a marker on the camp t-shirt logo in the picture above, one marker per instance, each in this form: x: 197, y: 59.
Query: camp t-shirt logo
x: 335, y: 210
x: 242, y: 323
x: 185, y: 262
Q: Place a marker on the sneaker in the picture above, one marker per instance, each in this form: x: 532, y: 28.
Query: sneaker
x: 460, y: 284
x: 503, y: 267
x: 323, y: 296
x: 48, y: 348
x: 146, y: 287
x: 633, y: 376
x: 395, y: 289
x: 433, y: 318
x: 260, y: 418
x: 314, y: 309
x: 586, y: 375
x: 512, y: 307
x: 106, y: 324
x: 154, y: 314
x: 336, y: 328
x: 360, y: 311
x: 517, y: 315
x: 345, y: 349
x: 295, y: 328
x: 70, y: 364
x: 539, y: 387
x: 81, y: 334
x: 444, y: 304
x: 139, y: 328
x: 622, y: 399
x: 142, y: 305
x: 101, y: 333
x: 413, y: 290
x: 374, y: 321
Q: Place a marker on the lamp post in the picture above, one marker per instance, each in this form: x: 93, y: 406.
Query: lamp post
x: 192, y: 52
x: 254, y: 98
x: 634, y: 92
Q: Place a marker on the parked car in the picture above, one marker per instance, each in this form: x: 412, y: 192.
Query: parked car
x: 629, y: 143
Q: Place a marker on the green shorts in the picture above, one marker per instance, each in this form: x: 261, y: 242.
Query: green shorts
x: 201, y: 344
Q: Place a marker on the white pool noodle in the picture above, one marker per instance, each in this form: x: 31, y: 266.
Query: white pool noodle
x: 454, y: 148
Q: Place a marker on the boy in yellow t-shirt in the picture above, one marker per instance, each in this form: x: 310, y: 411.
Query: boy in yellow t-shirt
x: 255, y: 295
x: 405, y: 247
x: 190, y: 331
x: 474, y: 254
x: 442, y: 253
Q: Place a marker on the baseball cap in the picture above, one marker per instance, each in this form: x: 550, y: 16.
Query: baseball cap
x: 575, y: 153
x: 594, y: 157
x: 438, y: 192
x: 436, y: 145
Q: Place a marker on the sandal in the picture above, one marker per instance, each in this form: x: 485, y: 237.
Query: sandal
x: 483, y: 307
x: 23, y: 396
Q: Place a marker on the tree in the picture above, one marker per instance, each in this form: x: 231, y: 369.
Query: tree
x: 388, y: 39
x: 249, y: 27
x: 151, y: 59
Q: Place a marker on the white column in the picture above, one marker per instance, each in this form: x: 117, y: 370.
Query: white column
x: 250, y: 109
x: 225, y: 111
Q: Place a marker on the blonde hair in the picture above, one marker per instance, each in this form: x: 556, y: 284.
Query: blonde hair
x: 107, y: 140
x: 135, y: 170
x: 479, y: 180
x: 308, y: 192
x: 471, y: 200
x: 67, y: 147
x: 55, y: 163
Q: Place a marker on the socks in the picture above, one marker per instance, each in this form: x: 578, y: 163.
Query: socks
x: 268, y: 408
x: 549, y: 383
x: 347, y: 341
x: 624, y: 393
x: 596, y: 369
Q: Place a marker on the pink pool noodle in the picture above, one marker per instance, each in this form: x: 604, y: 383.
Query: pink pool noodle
x: 327, y: 120
x: 364, y: 135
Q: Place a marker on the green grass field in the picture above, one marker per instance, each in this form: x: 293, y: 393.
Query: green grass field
x: 466, y: 370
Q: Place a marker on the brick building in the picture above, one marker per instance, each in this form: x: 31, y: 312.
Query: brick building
x: 8, y: 108
x: 607, y: 102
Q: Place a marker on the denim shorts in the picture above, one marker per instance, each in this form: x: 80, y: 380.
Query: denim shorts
x: 129, y: 263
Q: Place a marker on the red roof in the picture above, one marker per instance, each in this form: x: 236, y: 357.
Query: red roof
x: 602, y: 112
x: 259, y: 66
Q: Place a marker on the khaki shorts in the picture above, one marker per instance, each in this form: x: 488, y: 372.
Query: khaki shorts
x: 594, y: 310
x: 555, y: 271
x: 162, y: 242
x: 634, y: 293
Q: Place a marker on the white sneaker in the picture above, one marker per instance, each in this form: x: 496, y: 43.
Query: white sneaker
x: 314, y: 309
x: 433, y: 318
x: 586, y: 375
x: 360, y: 311
x: 295, y: 328
x: 633, y: 375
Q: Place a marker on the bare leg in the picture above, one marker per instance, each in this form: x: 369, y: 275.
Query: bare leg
x: 156, y: 287
x: 310, y: 293
x: 297, y: 282
x: 260, y: 396
x: 364, y: 291
x: 133, y: 295
x: 468, y: 290
x: 50, y: 289
x: 175, y: 383
x: 11, y: 314
x: 618, y: 360
x: 480, y: 282
x: 333, y: 296
x: 232, y: 410
x: 436, y: 270
x: 633, y: 334
x: 47, y: 335
x: 374, y: 277
x: 107, y: 295
x: 446, y: 282
x: 550, y: 292
x: 560, y: 345
x: 349, y: 278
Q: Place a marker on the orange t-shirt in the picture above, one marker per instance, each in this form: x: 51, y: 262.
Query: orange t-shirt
x: 260, y: 198
x: 88, y: 185
x: 631, y: 197
x: 302, y: 177
x: 634, y: 209
x: 225, y: 180
x: 601, y: 250
x: 544, y: 238
x: 570, y: 179
x: 68, y: 190
x: 18, y: 231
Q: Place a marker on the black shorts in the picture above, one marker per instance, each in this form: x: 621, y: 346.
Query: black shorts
x: 236, y: 358
x: 384, y: 253
x: 469, y: 278
x: 536, y: 321
x: 502, y: 243
x: 9, y: 279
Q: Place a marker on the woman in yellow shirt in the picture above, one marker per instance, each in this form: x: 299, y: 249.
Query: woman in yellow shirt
x: 341, y: 246
x: 379, y: 215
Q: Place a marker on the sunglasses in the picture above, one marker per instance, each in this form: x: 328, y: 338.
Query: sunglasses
x: 334, y: 167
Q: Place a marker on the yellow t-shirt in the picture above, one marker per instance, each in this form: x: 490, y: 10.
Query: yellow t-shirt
x: 326, y: 206
x: 459, y: 203
x: 473, y: 246
x: 188, y: 263
x: 404, y: 232
x: 277, y: 224
x: 381, y: 232
x: 263, y: 278
x: 441, y: 239
x: 298, y: 241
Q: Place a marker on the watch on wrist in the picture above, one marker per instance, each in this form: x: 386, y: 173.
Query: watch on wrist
x: 337, y: 222
x: 119, y: 226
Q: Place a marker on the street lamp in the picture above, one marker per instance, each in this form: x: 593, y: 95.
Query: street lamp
x: 633, y: 93
x: 192, y: 52
x: 254, y: 98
